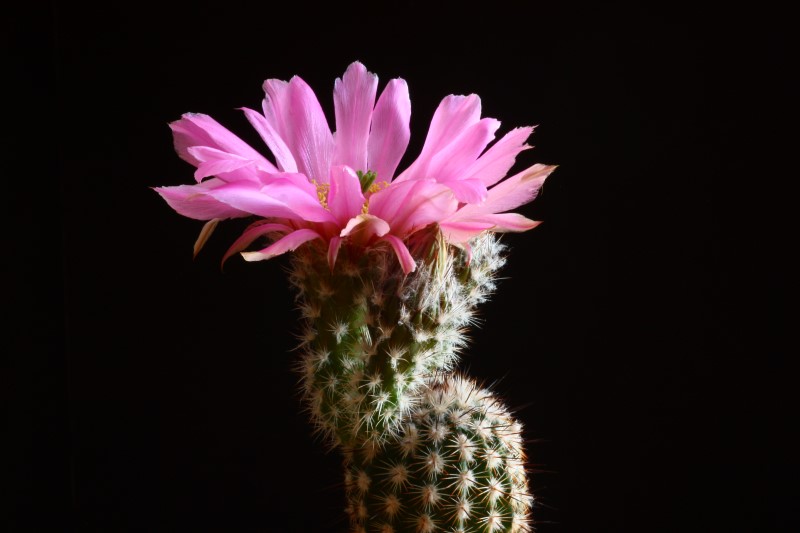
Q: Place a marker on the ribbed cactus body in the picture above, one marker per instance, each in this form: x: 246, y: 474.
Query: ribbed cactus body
x: 373, y: 336
x: 426, y: 449
x: 458, y: 466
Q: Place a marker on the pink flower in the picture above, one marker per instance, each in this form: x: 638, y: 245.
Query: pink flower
x: 341, y: 187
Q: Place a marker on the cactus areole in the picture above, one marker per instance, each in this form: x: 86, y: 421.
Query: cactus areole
x: 388, y: 269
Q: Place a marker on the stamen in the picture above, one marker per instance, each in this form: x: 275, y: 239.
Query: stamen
x: 372, y: 189
x: 322, y: 192
x: 378, y: 186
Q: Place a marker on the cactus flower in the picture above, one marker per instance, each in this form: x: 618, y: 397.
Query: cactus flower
x: 344, y: 187
x: 385, y: 300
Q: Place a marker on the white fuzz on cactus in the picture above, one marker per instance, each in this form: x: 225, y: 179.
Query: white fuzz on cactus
x: 458, y: 465
x: 368, y: 345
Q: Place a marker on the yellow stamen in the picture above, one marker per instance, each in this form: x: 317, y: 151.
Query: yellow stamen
x: 375, y: 187
x: 322, y: 192
x: 324, y: 188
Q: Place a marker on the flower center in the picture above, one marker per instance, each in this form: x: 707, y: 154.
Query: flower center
x: 368, y: 187
x: 366, y: 179
x: 322, y: 192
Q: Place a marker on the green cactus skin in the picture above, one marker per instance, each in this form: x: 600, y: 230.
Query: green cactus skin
x: 426, y: 450
x: 458, y: 466
x: 372, y: 336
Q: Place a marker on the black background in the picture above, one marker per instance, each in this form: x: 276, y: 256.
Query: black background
x: 641, y: 331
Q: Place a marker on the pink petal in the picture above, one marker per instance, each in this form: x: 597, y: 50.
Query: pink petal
x: 301, y: 196
x: 400, y: 249
x: 194, y: 202
x: 511, y: 222
x: 333, y: 250
x: 195, y: 129
x: 511, y: 193
x: 287, y: 244
x: 253, y: 232
x: 451, y: 161
x: 495, y: 163
x: 221, y: 168
x: 276, y: 105
x: 218, y: 163
x: 295, y: 113
x: 390, y: 132
x: 463, y: 230
x: 295, y: 178
x: 365, y: 226
x: 455, y: 114
x: 471, y: 191
x: 412, y: 205
x: 450, y: 164
x: 387, y: 203
x: 283, y: 156
x: 250, y: 199
x: 345, y: 199
x: 353, y: 99
x: 279, y: 199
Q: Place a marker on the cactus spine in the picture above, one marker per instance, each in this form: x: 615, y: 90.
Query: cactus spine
x: 425, y: 450
x: 457, y: 466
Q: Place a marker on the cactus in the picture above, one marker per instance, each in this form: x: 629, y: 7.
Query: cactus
x: 458, y: 465
x: 373, y: 335
x: 426, y: 449
x: 388, y: 270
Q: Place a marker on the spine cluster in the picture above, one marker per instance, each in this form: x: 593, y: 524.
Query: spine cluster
x: 457, y: 466
x: 426, y: 450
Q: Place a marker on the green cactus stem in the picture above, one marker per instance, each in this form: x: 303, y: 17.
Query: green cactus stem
x: 457, y: 466
x: 372, y: 336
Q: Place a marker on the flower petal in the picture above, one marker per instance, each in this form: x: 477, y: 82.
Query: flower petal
x: 205, y: 233
x: 455, y: 114
x: 278, y: 199
x: 511, y: 193
x: 412, y: 205
x: 495, y: 163
x: 471, y: 191
x: 366, y: 226
x: 463, y: 230
x: 353, y: 100
x: 253, y: 232
x: 196, y: 129
x: 193, y: 201
x: 400, y: 249
x: 333, y: 250
x: 301, y: 196
x: 218, y: 163
x: 390, y: 131
x: 295, y: 113
x: 451, y: 161
x: 345, y: 198
x: 276, y: 105
x: 287, y: 244
x: 511, y: 222
x: 283, y: 156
